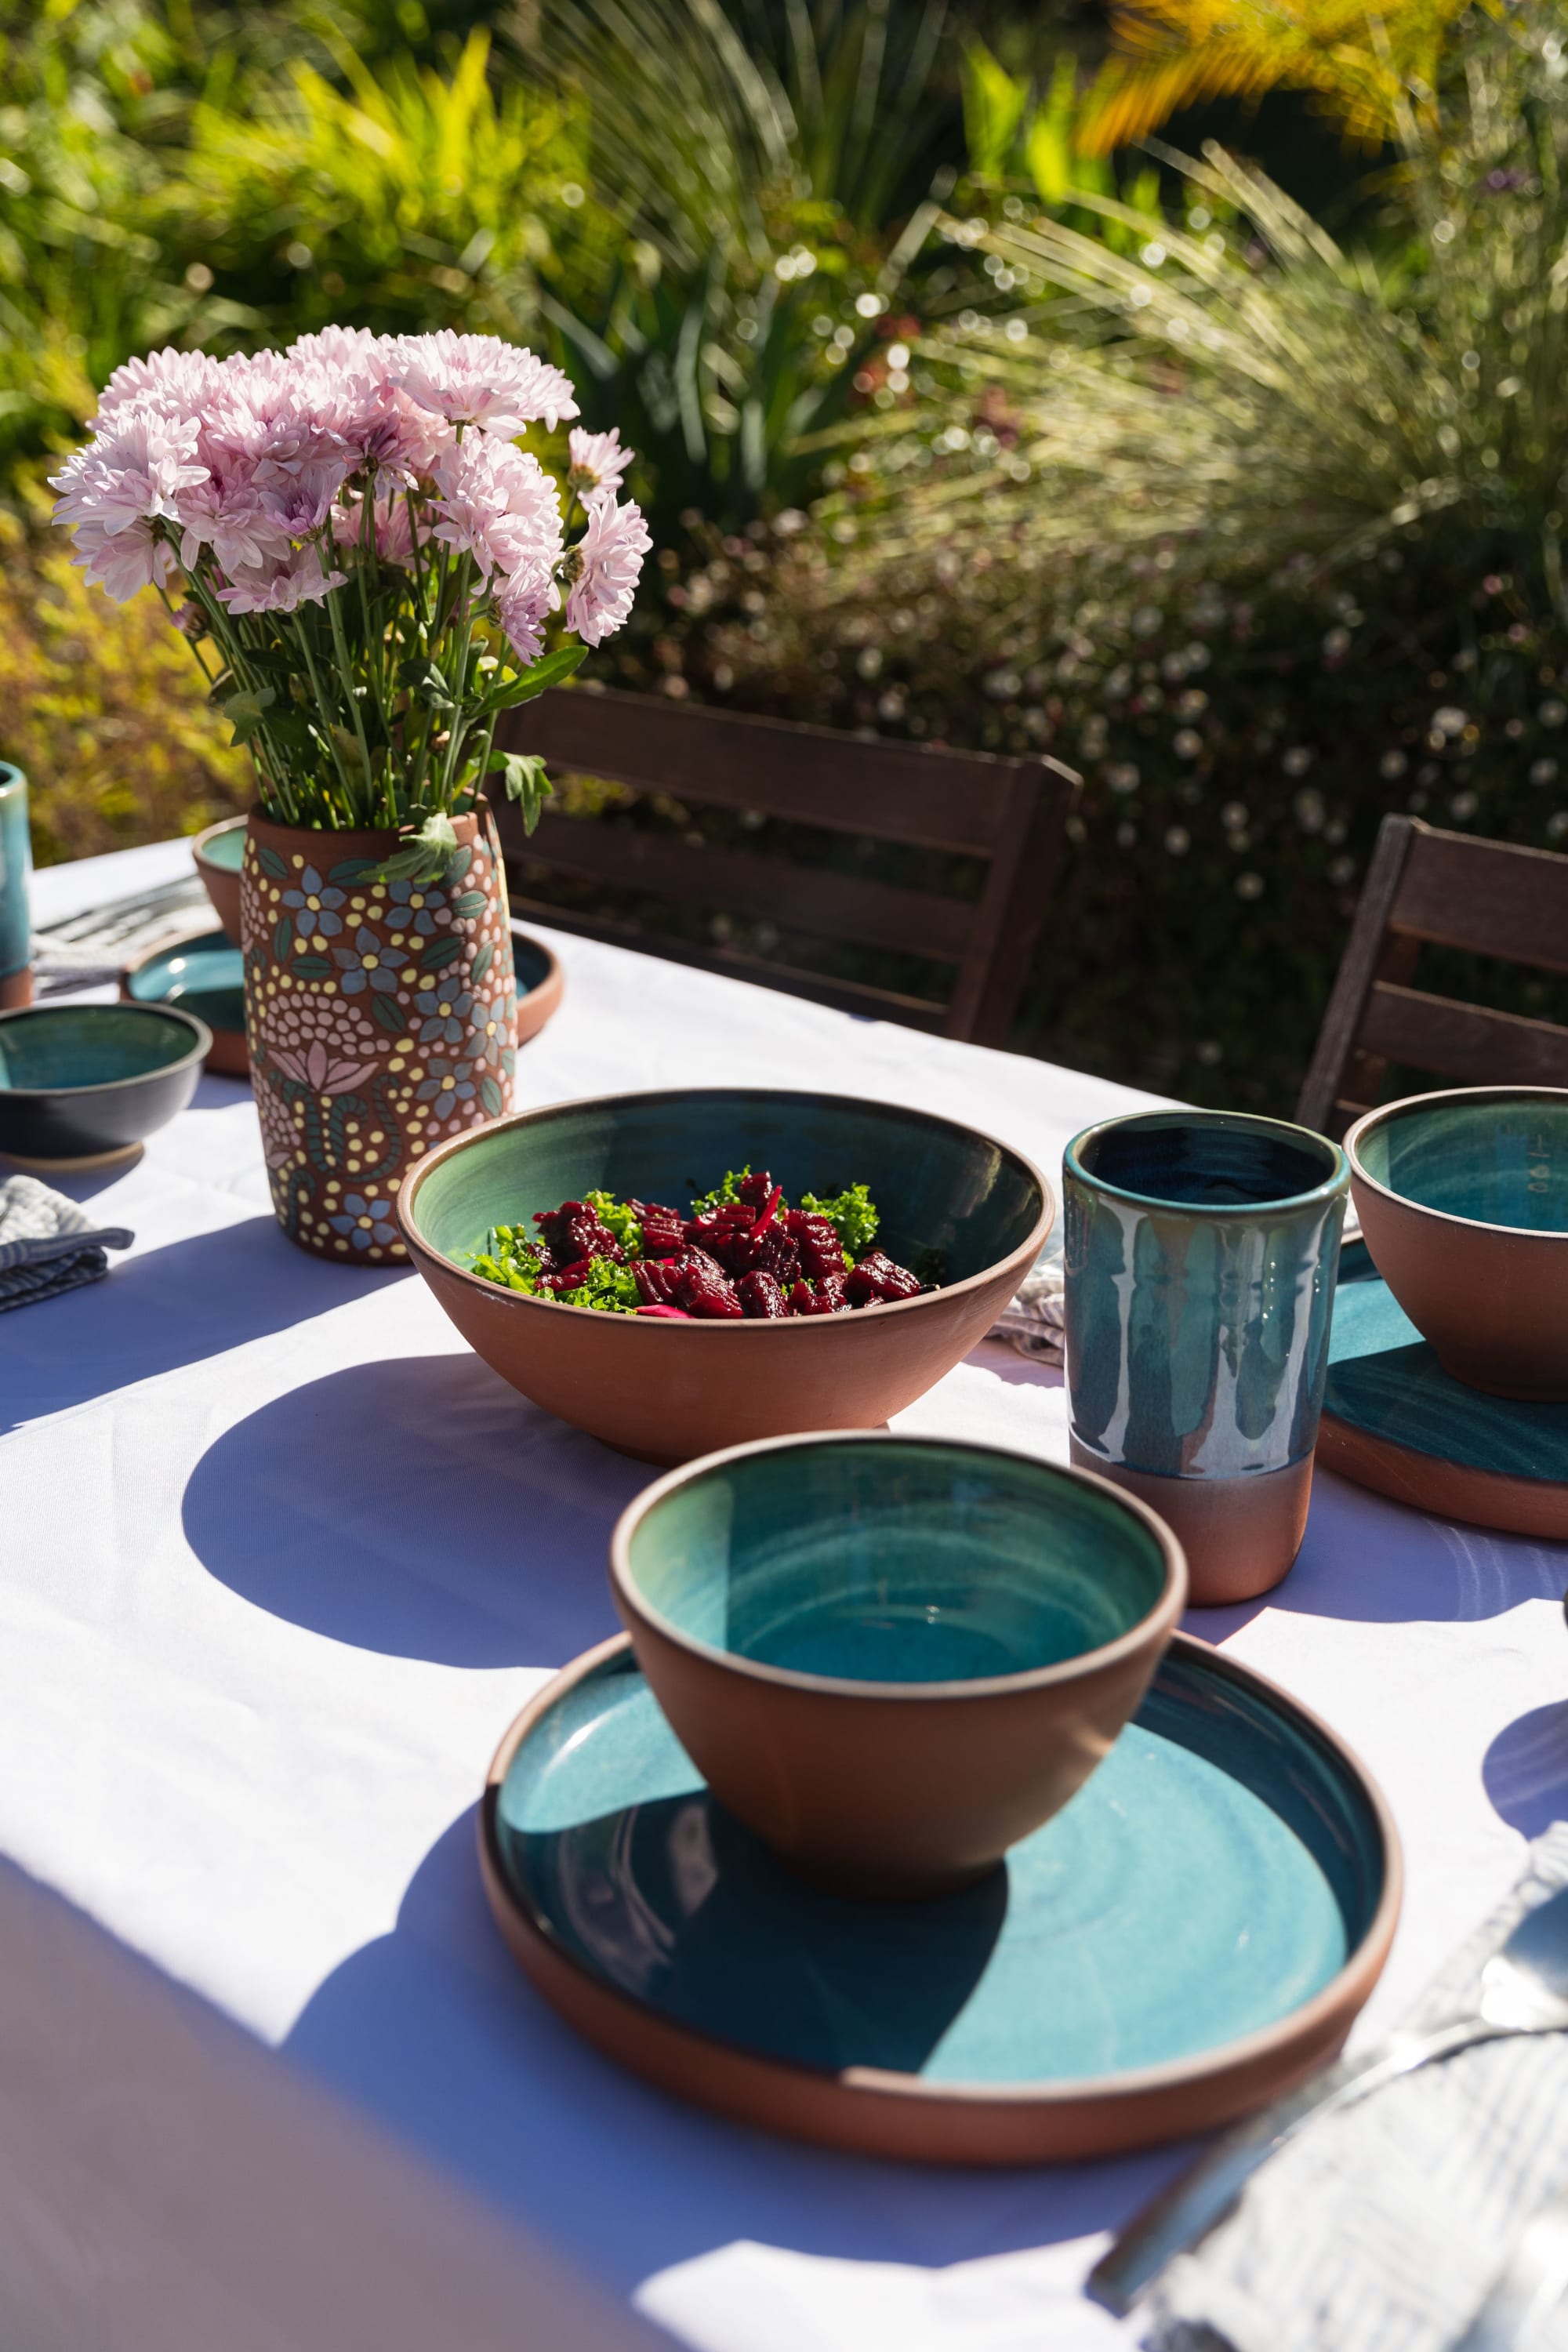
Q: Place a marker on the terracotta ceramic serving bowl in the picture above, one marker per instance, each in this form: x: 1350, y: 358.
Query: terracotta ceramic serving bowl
x: 81, y: 1084
x: 1463, y: 1200
x: 893, y: 1658
x: 219, y: 853
x: 667, y: 1391
x: 540, y: 983
x: 204, y: 975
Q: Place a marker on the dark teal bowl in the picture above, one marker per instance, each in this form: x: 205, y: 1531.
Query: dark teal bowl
x: 668, y: 1391
x: 204, y: 976
x: 893, y: 1656
x: 83, y: 1082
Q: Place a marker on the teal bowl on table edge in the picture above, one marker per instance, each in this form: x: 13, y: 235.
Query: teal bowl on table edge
x: 666, y: 1391
x: 894, y: 1657
x: 16, y: 907
x: 1463, y: 1200
x: 219, y: 851
x: 204, y: 975
x: 84, y: 1084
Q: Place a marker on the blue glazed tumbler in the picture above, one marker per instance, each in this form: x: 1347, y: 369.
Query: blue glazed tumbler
x: 1201, y: 1251
x: 15, y: 867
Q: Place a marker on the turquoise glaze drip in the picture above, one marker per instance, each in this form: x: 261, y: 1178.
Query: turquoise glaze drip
x: 1199, y: 1255
x: 15, y: 867
x: 890, y: 1562
x: 1500, y: 1160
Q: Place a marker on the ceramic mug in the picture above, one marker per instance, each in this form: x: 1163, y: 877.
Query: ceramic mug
x: 1201, y: 1253
x: 15, y: 866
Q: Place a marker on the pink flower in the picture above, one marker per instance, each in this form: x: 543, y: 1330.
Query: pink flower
x: 121, y: 561
x: 131, y: 472
x: 524, y: 601
x: 480, y: 380
x: 609, y: 565
x: 359, y: 350
x: 176, y: 382
x: 497, y: 504
x: 598, y: 462
x: 230, y: 519
x: 284, y: 587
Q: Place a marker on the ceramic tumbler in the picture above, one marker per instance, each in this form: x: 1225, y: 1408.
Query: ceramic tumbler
x: 1202, y: 1249
x: 15, y: 866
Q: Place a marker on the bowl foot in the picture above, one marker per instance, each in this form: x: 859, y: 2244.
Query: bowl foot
x: 122, y: 1156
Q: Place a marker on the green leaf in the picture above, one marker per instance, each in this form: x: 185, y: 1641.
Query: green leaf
x: 386, y: 1012
x: 312, y: 967
x: 525, y: 781
x: 469, y: 905
x: 420, y: 677
x: 247, y: 711
x: 439, y: 955
x: 281, y: 936
x: 350, y: 870
x: 491, y: 1096
x: 551, y: 671
x: 482, y: 961
x: 423, y: 857
x: 272, y: 865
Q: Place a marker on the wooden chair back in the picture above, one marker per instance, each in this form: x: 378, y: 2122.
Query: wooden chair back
x: 1451, y: 890
x: 1007, y: 812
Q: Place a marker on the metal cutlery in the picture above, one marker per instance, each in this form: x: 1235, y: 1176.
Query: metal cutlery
x: 1523, y: 1988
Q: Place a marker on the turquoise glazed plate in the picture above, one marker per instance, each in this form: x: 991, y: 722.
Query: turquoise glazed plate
x: 1396, y: 1420
x: 1194, y: 1931
x: 204, y: 976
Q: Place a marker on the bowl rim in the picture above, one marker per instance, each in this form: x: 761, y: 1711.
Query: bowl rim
x: 200, y: 1049
x: 1157, y: 1623
x: 1382, y: 1111
x: 223, y: 825
x: 553, y: 971
x: 1024, y: 1253
x: 1252, y: 1121
x: 11, y: 775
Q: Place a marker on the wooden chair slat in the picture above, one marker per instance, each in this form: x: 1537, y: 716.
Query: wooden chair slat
x: 913, y: 792
x: 1427, y: 887
x: 1492, y: 897
x: 1468, y: 1042
x: 795, y: 898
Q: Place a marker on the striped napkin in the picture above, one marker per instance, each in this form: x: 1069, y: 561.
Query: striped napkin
x: 1384, y: 2228
x: 1032, y: 1319
x: 48, y: 1245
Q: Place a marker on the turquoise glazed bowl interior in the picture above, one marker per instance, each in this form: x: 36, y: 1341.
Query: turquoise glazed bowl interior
x: 883, y: 1561
x: 529, y: 962
x: 1494, y: 1159
x: 1171, y: 1159
x: 952, y: 1201
x: 226, y: 848
x: 206, y: 975
x: 59, y: 1048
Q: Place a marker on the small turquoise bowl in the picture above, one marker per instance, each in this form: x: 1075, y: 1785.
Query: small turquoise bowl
x: 83, y: 1084
x: 893, y: 1658
x: 15, y: 867
x: 204, y: 976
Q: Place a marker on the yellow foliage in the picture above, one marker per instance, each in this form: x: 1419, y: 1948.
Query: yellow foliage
x: 1365, y: 64
x: 104, y: 706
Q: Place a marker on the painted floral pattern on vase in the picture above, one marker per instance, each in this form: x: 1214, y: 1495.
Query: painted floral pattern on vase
x: 380, y: 1018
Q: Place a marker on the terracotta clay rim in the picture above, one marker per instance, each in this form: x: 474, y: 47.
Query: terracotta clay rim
x: 543, y: 1001
x: 1025, y: 1254
x: 871, y: 2109
x: 1325, y: 1192
x: 1444, y: 1490
x: 199, y: 1052
x: 224, y: 825
x: 1157, y: 1623
x: 1370, y: 1118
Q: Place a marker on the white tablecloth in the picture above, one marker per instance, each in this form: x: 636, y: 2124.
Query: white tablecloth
x: 279, y: 1560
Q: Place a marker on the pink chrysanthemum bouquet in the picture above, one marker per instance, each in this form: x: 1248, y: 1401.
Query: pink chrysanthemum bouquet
x: 375, y: 561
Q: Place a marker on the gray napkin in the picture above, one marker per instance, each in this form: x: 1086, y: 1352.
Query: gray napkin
x: 1032, y: 1319
x: 47, y: 1243
x: 1382, y: 2229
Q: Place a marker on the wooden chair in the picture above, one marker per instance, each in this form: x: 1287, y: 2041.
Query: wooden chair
x: 1007, y: 812
x: 1449, y: 889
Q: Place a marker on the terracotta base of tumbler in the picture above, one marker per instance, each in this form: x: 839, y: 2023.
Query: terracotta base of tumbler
x: 1241, y: 1536
x: 16, y: 988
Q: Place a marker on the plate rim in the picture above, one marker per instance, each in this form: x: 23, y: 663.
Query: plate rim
x: 1088, y: 2115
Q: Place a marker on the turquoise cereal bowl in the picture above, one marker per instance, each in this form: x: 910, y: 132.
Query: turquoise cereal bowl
x: 81, y: 1084
x: 665, y: 1390
x: 1463, y: 1200
x: 893, y: 1658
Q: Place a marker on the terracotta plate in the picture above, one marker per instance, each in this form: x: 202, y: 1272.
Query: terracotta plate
x: 1396, y: 1420
x: 1192, y: 1933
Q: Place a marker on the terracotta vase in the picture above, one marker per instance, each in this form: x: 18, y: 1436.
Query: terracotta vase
x: 379, y: 1018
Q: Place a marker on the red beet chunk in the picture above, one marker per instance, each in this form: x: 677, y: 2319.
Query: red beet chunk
x: 760, y: 1298
x: 573, y: 1231
x: 569, y: 1277
x: 821, y: 1250
x: 706, y: 1293
x: 754, y: 1188
x: 825, y: 1297
x: 666, y: 1314
x: 878, y: 1277
x: 656, y: 1282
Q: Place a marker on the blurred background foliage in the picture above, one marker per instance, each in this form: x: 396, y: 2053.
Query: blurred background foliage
x: 1176, y: 385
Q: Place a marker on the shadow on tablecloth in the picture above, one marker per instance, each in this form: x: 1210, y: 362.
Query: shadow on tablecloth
x: 416, y: 1506
x: 161, y: 1308
x: 433, y: 2028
